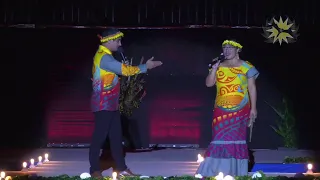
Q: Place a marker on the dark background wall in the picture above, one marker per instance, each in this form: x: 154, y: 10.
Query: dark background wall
x: 155, y: 12
x: 51, y: 69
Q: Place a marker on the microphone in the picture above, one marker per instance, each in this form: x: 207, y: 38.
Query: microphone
x: 221, y: 58
x: 121, y: 51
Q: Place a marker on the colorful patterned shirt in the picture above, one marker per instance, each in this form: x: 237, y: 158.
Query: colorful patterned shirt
x: 232, y: 86
x: 106, y: 85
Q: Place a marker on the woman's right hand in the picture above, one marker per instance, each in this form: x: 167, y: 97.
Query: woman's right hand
x: 211, y: 78
x: 215, y: 66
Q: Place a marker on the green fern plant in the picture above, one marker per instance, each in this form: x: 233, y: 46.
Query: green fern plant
x: 285, y: 125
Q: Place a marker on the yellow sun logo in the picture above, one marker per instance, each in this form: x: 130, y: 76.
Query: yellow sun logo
x: 280, y: 31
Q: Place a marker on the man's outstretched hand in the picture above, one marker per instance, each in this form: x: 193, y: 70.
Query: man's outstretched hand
x: 152, y: 64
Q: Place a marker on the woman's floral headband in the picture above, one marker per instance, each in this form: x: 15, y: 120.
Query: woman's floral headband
x: 110, y: 37
x: 232, y: 43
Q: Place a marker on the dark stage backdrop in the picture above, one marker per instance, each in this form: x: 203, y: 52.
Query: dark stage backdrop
x: 52, y: 71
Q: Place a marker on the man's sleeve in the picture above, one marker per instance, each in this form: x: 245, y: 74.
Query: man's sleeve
x: 108, y: 63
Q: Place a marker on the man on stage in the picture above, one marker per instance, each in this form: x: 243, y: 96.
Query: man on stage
x: 105, y: 101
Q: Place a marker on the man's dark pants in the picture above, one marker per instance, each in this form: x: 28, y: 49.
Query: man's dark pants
x: 107, y: 124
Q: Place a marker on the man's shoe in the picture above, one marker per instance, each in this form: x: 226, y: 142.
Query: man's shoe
x: 127, y: 173
x: 97, y: 174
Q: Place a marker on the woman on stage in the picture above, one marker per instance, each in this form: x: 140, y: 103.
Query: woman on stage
x: 234, y: 110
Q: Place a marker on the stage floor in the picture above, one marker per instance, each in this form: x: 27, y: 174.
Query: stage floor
x: 165, y: 162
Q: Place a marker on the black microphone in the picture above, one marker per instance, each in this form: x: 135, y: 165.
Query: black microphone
x: 221, y: 58
x: 121, y: 51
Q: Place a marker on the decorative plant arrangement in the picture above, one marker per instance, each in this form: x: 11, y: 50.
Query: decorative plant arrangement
x: 290, y: 160
x: 132, y: 92
x: 285, y: 125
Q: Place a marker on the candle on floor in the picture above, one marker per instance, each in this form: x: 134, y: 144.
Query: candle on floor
x: 114, y: 176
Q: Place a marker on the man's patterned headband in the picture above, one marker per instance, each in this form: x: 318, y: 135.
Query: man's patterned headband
x: 110, y: 37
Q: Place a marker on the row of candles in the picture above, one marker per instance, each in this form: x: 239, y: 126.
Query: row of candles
x: 114, y: 174
x: 32, y: 164
x: 25, y: 166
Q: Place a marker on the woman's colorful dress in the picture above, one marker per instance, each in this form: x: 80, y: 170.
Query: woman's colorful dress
x: 227, y: 152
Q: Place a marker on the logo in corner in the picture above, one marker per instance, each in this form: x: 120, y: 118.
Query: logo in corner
x: 280, y: 31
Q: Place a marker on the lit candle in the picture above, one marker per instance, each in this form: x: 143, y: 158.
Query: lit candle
x: 46, y: 157
x: 39, y: 160
x: 24, y: 166
x: 31, y: 163
x: 114, y: 176
x: 2, y: 175
x: 309, y: 166
x: 200, y: 158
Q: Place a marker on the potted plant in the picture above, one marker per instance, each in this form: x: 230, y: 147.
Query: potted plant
x: 285, y: 126
x: 132, y: 91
